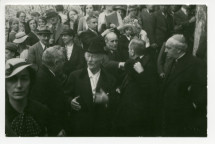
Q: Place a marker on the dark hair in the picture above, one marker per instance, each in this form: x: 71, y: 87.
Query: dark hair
x: 19, y: 12
x: 90, y: 17
x: 35, y: 14
x: 43, y: 18
x: 28, y: 29
x: 59, y: 8
x: 85, y: 8
x: 10, y: 24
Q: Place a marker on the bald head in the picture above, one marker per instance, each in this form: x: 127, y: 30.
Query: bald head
x: 111, y: 41
x: 53, y: 57
x: 176, y: 45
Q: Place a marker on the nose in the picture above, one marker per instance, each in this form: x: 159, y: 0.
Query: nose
x: 19, y: 83
x: 166, y: 50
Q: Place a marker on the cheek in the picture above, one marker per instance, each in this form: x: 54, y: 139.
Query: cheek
x: 9, y: 88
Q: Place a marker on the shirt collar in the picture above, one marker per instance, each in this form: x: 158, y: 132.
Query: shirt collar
x: 42, y: 45
x: 184, y: 10
x: 52, y: 72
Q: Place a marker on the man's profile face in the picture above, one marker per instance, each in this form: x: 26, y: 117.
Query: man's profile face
x: 172, y: 51
x: 93, y: 24
x: 112, y: 42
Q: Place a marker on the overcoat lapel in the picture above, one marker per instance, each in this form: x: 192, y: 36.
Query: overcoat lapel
x: 86, y: 90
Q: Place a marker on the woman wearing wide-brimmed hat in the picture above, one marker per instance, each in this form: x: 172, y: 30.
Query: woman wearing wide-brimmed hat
x: 21, y: 41
x: 24, y: 117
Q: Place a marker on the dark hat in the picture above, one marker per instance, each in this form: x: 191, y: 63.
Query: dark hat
x: 132, y: 8
x: 119, y: 7
x: 11, y: 46
x: 97, y: 46
x: 35, y: 14
x: 68, y: 32
x: 43, y: 31
x: 51, y: 14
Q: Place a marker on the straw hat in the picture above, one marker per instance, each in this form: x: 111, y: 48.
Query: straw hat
x: 14, y: 66
x: 20, y: 37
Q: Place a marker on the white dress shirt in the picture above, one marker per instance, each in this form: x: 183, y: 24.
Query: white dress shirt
x: 94, y: 78
x: 43, y: 46
x: 69, y: 50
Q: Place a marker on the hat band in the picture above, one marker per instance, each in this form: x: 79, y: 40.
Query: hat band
x: 13, y: 67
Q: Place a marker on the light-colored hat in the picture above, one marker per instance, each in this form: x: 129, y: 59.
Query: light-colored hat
x: 14, y: 66
x: 20, y: 37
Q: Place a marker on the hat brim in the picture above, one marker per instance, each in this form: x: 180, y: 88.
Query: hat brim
x: 121, y: 8
x: 17, y: 70
x: 44, y: 33
x: 20, y: 40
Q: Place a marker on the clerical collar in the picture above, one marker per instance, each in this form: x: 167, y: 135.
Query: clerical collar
x: 184, y: 10
x: 180, y: 57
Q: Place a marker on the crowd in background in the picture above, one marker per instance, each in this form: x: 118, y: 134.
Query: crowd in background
x: 111, y: 70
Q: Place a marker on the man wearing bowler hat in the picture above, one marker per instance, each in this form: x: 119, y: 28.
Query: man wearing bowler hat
x: 56, y: 27
x: 35, y: 52
x: 90, y: 95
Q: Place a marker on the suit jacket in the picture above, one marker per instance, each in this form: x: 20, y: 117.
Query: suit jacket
x: 137, y: 99
x: 35, y: 54
x: 184, y: 98
x: 57, y: 34
x: 147, y: 21
x: 75, y: 62
x: 123, y: 47
x: 93, y: 119
x: 48, y: 91
x: 162, y: 29
x: 86, y: 38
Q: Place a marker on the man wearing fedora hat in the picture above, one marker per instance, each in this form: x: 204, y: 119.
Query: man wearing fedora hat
x: 56, y: 27
x: 36, y: 51
x: 89, y: 92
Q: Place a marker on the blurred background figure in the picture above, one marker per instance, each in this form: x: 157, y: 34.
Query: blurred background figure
x: 41, y: 23
x: 121, y: 9
x: 102, y: 20
x: 131, y: 18
x: 73, y: 19
x: 31, y: 30
x: 10, y: 51
x: 13, y: 29
x: 35, y: 16
x: 88, y: 11
x: 21, y: 15
x: 60, y: 11
x: 21, y: 41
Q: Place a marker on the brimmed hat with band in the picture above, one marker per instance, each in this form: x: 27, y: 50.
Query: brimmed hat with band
x: 20, y: 37
x: 43, y: 31
x: 14, y: 66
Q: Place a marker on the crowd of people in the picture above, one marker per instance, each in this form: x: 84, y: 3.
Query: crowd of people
x: 112, y: 70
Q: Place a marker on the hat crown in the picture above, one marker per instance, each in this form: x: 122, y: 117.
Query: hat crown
x: 96, y: 46
x: 20, y: 35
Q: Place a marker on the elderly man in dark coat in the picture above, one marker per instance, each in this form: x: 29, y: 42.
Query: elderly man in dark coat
x: 90, y: 94
x: 184, y: 93
x: 47, y: 89
x: 133, y: 117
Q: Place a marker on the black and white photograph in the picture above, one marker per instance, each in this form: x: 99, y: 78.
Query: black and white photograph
x: 105, y: 70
